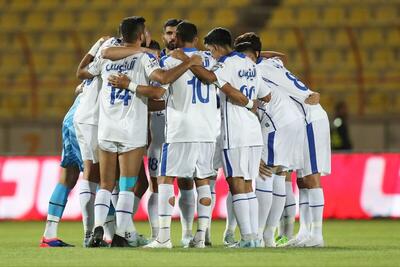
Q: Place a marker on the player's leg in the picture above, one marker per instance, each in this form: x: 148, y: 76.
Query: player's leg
x: 278, y: 204
x: 108, y: 162
x: 289, y: 213
x: 213, y: 179
x: 57, y: 203
x: 152, y: 208
x: 187, y: 207
x: 130, y: 162
x: 253, y: 208
x: 110, y: 224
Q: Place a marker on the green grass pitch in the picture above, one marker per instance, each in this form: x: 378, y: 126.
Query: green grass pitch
x: 349, y: 243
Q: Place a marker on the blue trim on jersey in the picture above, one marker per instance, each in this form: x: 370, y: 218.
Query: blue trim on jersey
x: 259, y: 60
x: 163, y: 53
x: 271, y: 138
x: 228, y: 164
x: 189, y: 49
x: 226, y: 120
x: 164, y: 159
x: 302, y: 107
x: 265, y: 112
x: 269, y: 81
x: 311, y: 148
x: 231, y: 54
x: 162, y: 60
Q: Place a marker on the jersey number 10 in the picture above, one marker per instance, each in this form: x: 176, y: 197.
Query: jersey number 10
x: 197, y: 91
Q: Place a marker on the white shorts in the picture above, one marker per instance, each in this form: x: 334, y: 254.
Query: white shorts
x: 217, y: 161
x: 317, y: 149
x: 242, y: 162
x: 116, y: 147
x: 154, y: 159
x: 187, y: 160
x: 86, y: 135
x: 284, y: 147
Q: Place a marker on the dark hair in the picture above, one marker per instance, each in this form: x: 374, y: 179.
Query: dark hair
x: 186, y: 31
x: 171, y: 23
x: 248, y: 41
x: 154, y: 45
x: 131, y: 28
x: 219, y: 36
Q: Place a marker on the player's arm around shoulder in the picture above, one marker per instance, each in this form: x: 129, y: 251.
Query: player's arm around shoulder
x: 82, y: 70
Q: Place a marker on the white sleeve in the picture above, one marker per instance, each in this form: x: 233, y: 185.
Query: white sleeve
x: 263, y: 88
x: 221, y: 71
x: 94, y: 67
x: 150, y: 64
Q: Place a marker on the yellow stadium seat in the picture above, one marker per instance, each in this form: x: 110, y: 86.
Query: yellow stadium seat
x: 333, y: 16
x: 18, y: 5
x: 36, y: 21
x: 64, y: 63
x: 331, y: 58
x: 47, y: 5
x: 340, y: 38
x: 89, y: 20
x: 102, y: 4
x: 393, y: 37
x: 10, y: 22
x: 114, y: 18
x: 181, y: 3
x: 236, y: 3
x: 41, y: 62
x: 282, y: 17
x: 168, y: 14
x: 8, y: 63
x: 269, y: 39
x: 307, y: 16
x: 382, y: 58
x: 376, y: 103
x: 318, y: 38
x: 200, y: 17
x: 360, y: 15
x: 73, y: 5
x: 224, y: 18
x: 128, y: 3
x: 206, y: 3
x: 63, y: 21
x: 289, y: 39
x: 371, y: 37
x: 156, y: 3
x: 386, y: 14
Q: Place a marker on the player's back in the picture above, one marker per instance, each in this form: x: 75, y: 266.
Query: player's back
x: 191, y: 105
x: 240, y: 126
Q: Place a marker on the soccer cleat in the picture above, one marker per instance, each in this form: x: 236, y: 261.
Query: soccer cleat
x: 208, y: 243
x: 197, y: 244
x: 259, y: 243
x: 270, y: 243
x: 86, y: 239
x: 142, y: 241
x: 97, y: 238
x: 281, y: 241
x: 158, y: 244
x: 229, y: 238
x: 186, y: 240
x: 53, y: 243
x: 311, y: 242
x: 294, y: 241
x: 243, y: 244
x: 121, y: 242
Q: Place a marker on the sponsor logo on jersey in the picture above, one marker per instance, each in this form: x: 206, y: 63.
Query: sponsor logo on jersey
x: 248, y: 74
x: 121, y: 67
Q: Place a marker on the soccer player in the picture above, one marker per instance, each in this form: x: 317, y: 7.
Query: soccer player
x: 72, y: 165
x: 169, y: 36
x: 282, y: 127
x: 316, y: 151
x: 242, y: 138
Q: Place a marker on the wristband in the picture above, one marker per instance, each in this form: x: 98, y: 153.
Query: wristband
x: 95, y: 47
x: 132, y: 86
x: 250, y: 104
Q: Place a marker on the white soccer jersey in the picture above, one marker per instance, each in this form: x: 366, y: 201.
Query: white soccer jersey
x: 275, y: 73
x: 123, y: 114
x: 191, y: 105
x: 88, y: 109
x: 240, y: 127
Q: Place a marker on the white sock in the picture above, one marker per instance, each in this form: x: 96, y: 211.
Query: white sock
x: 203, y: 212
x: 152, y: 209
x: 87, y: 194
x: 51, y: 226
x: 253, y: 213
x: 187, y: 207
x: 136, y: 203
x: 101, y: 207
x: 289, y: 213
x: 123, y: 213
x: 165, y: 192
x: 230, y: 215
x: 305, y: 219
x: 278, y: 204
x: 212, y: 189
x: 242, y: 213
x: 115, y: 192
x: 264, y: 197
x: 316, y: 204
x: 109, y: 227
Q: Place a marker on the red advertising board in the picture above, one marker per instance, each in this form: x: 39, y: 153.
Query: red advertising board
x: 361, y: 186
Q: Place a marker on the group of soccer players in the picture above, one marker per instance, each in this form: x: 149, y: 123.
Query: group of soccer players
x: 192, y: 112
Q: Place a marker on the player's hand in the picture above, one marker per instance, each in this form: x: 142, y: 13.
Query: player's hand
x: 178, y: 54
x: 120, y: 81
x: 255, y: 106
x: 147, y: 35
x: 196, y: 60
x: 79, y: 88
x: 265, y: 171
x: 313, y: 99
x: 103, y: 39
